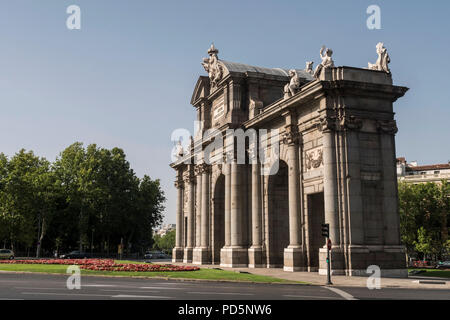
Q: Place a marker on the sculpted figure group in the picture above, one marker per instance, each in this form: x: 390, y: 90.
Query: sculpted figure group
x: 215, y: 69
x: 212, y: 66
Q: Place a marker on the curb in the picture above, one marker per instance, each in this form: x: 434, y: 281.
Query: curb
x: 161, y: 278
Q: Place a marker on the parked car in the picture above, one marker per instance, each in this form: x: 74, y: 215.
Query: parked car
x: 6, y: 254
x: 443, y: 265
x: 155, y: 255
x: 76, y: 255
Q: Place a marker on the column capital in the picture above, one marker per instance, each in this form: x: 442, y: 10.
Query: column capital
x: 188, y: 177
x: 202, y: 168
x: 291, y: 135
x: 350, y: 123
x: 387, y: 126
x: 327, y: 124
x: 178, y: 183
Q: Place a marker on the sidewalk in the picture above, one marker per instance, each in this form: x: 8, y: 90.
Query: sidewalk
x: 343, y: 281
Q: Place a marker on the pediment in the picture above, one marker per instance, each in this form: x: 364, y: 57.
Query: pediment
x: 201, y: 90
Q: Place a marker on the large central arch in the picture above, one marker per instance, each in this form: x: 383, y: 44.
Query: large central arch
x: 218, y: 234
x: 278, y: 222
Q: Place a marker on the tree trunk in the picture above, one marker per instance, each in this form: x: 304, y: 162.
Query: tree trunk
x: 81, y: 227
x: 40, y: 237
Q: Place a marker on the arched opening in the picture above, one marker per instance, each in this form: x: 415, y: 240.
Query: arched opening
x: 218, y: 234
x: 278, y: 224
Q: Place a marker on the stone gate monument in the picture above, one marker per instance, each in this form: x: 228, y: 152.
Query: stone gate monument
x: 335, y: 164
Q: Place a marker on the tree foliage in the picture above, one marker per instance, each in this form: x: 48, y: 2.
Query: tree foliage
x: 89, y: 198
x: 424, y: 218
x: 165, y: 243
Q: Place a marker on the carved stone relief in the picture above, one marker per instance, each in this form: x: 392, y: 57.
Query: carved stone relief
x: 314, y: 159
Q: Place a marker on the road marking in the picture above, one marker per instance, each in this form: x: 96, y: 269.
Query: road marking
x: 343, y: 294
x: 99, y: 285
x: 38, y: 288
x: 227, y: 293
x: 314, y: 297
x: 68, y: 294
x: 161, y: 288
x: 117, y: 290
x: 136, y: 296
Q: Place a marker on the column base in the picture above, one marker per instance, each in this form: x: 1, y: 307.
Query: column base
x: 390, y: 259
x: 201, y: 256
x: 234, y: 257
x: 177, y: 254
x: 188, y: 253
x: 336, y: 257
x: 294, y: 259
x: 255, y: 255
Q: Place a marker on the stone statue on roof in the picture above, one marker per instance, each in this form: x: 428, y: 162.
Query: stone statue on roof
x: 327, y: 61
x: 294, y: 84
x: 309, y: 67
x: 179, y: 149
x: 212, y: 66
x: 383, y: 59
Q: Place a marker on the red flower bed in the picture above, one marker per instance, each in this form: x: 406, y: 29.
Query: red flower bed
x: 105, y: 265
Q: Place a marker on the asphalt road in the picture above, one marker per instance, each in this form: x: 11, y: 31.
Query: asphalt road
x: 45, y: 287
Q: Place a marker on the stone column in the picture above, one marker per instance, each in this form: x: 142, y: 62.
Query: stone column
x: 224, y: 260
x: 198, y: 212
x: 203, y: 254
x: 189, y: 228
x: 293, y: 254
x: 177, y: 254
x: 394, y: 251
x: 255, y: 251
x: 330, y: 190
x: 330, y: 183
x: 238, y: 255
x: 205, y: 208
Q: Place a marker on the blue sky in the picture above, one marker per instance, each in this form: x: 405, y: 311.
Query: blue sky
x: 126, y: 78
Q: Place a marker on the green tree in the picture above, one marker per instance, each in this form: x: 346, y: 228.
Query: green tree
x: 424, y: 217
x: 88, y: 196
x: 165, y: 243
x: 425, y: 243
x: 21, y: 202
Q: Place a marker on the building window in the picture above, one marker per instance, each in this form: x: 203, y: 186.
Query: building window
x: 437, y: 172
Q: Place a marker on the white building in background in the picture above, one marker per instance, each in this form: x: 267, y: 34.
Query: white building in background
x: 165, y: 229
x: 411, y: 172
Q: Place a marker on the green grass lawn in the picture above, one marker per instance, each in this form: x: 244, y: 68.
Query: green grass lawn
x: 203, y: 274
x: 433, y: 273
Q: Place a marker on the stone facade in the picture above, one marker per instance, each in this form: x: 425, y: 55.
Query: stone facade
x: 336, y: 165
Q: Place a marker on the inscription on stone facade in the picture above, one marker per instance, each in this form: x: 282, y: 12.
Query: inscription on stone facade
x: 218, y: 108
